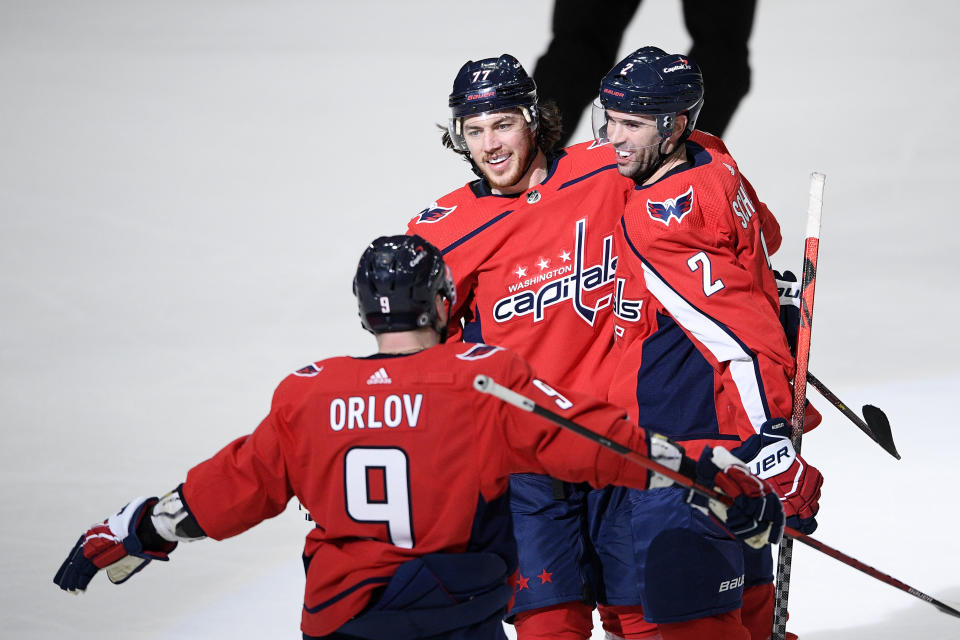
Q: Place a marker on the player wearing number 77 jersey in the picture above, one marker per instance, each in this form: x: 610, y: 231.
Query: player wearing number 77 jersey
x: 404, y: 469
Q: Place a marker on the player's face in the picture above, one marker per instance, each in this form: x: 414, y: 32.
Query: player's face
x: 502, y: 145
x: 635, y: 139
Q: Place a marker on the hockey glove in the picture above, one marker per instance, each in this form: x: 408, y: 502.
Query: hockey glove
x: 112, y: 545
x: 756, y: 516
x: 770, y: 455
x: 789, y: 290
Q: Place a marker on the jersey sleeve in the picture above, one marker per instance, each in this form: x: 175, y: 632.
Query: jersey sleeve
x: 243, y: 484
x: 523, y: 442
x: 712, y: 275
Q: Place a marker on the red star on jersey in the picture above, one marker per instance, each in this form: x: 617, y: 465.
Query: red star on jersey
x: 545, y: 577
x: 522, y: 583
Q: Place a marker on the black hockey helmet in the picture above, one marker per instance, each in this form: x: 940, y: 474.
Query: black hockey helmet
x: 397, y: 281
x: 653, y: 82
x: 490, y: 84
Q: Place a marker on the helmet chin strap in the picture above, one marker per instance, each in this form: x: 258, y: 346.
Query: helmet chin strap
x: 661, y: 156
x: 480, y: 174
x: 533, y: 156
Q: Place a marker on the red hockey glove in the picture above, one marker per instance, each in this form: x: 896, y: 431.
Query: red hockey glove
x: 756, y: 516
x: 770, y: 455
x: 112, y: 545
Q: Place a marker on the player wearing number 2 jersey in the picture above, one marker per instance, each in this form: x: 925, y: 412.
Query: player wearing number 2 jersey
x: 701, y: 354
x: 404, y: 468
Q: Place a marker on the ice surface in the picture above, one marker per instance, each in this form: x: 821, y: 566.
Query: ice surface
x: 185, y: 188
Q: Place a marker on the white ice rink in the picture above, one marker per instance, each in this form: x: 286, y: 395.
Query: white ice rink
x: 185, y: 188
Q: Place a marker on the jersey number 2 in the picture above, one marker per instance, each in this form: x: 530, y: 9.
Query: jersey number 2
x: 702, y: 261
x: 386, y: 502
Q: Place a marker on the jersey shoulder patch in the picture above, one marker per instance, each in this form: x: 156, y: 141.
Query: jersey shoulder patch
x: 478, y: 352
x: 671, y: 208
x: 308, y: 371
x: 433, y: 213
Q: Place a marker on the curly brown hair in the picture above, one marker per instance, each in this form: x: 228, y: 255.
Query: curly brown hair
x: 549, y: 130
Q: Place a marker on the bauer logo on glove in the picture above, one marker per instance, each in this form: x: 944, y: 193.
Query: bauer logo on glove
x: 771, y: 456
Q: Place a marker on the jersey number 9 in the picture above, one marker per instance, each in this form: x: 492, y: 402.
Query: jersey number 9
x: 377, y: 488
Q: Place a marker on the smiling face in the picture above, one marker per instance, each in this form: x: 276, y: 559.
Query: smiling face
x: 503, y: 147
x: 636, y: 141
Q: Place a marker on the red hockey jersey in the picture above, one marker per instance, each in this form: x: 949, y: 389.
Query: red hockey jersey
x: 701, y: 354
x: 535, y: 272
x: 397, y: 457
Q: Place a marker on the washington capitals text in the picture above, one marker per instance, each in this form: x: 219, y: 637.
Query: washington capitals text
x: 570, y: 287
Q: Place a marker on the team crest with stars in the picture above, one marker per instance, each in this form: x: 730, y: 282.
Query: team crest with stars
x: 434, y: 213
x: 671, y: 208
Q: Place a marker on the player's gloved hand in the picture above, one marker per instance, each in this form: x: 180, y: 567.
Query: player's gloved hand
x: 789, y: 290
x: 770, y: 455
x: 112, y: 545
x: 756, y: 516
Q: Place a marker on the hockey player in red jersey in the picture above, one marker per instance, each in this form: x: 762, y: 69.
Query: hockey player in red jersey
x: 701, y: 354
x: 404, y: 469
x: 530, y: 245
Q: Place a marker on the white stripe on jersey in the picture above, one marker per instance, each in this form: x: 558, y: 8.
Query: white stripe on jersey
x: 717, y: 340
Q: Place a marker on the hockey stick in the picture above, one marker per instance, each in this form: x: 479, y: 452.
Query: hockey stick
x: 877, y: 427
x: 807, y: 290
x: 487, y: 385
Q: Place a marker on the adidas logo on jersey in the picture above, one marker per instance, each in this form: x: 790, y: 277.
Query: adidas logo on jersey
x: 379, y: 377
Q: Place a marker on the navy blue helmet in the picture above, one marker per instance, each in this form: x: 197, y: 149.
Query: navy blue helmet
x: 491, y: 84
x: 653, y: 82
x: 397, y: 281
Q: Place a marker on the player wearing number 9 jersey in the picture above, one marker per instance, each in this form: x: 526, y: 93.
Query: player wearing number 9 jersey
x: 404, y: 468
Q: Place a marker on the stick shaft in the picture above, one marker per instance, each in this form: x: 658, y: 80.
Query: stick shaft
x: 487, y: 385
x: 807, y: 290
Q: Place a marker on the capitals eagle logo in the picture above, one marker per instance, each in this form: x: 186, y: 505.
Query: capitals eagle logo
x: 671, y: 207
x: 434, y: 213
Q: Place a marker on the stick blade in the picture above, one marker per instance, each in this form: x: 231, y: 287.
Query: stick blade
x: 880, y: 426
x: 946, y: 609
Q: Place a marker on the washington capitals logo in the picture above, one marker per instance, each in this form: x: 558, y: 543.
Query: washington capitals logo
x: 308, y: 371
x: 671, y: 208
x: 478, y: 352
x: 434, y: 213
